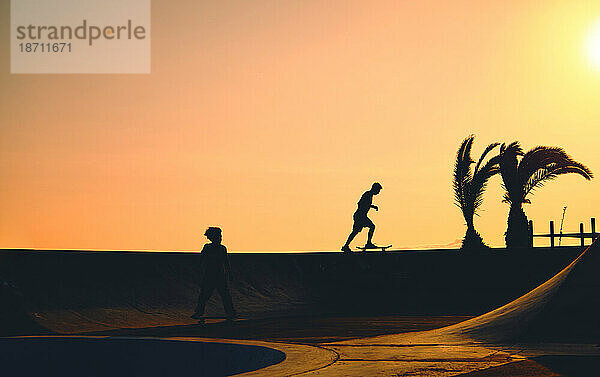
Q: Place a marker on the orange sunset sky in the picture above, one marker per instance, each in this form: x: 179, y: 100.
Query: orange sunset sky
x: 270, y: 118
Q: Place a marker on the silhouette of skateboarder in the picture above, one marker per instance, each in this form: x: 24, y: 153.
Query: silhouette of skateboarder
x: 361, y: 220
x: 215, y: 262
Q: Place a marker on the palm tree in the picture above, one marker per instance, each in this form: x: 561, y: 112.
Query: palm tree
x: 469, y: 186
x: 523, y: 176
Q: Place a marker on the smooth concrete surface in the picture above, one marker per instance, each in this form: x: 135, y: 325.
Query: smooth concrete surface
x: 539, y: 333
x: 71, y: 292
x: 496, y: 343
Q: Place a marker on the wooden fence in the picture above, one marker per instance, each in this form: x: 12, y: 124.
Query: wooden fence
x: 582, y: 235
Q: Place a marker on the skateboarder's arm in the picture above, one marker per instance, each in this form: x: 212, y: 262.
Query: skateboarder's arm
x: 201, y: 260
x: 227, y: 266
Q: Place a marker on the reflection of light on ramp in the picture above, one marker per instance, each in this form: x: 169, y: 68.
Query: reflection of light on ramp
x: 513, y: 321
x: 566, y: 302
x: 555, y: 303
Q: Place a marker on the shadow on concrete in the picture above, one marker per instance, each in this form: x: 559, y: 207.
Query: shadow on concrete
x: 79, y: 356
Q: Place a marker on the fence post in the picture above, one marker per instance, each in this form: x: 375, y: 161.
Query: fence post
x: 593, y: 221
x: 581, y: 234
x: 552, y: 234
x: 531, y: 233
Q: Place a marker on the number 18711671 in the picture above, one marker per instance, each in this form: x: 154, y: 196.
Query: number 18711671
x: 56, y: 47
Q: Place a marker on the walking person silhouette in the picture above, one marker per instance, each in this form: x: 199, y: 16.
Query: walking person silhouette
x: 215, y: 263
x: 361, y: 220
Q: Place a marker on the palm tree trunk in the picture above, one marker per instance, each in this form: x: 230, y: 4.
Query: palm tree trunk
x: 472, y: 240
x: 517, y: 232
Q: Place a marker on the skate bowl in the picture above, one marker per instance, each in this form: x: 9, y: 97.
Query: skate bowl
x: 538, y: 306
x: 102, y: 356
x: 80, y: 291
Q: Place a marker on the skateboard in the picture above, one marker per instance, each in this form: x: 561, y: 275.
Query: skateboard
x: 371, y: 249
x: 224, y: 320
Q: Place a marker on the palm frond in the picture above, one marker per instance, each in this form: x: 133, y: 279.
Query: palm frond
x: 462, y: 173
x: 577, y: 168
x: 538, y: 158
x: 542, y: 164
x: 550, y: 172
x: 538, y: 179
x: 480, y: 180
x: 484, y: 154
x: 513, y: 148
x: 508, y: 164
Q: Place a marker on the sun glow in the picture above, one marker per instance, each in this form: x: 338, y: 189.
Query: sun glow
x: 593, y: 46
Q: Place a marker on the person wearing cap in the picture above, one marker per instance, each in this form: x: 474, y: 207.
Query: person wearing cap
x: 361, y: 220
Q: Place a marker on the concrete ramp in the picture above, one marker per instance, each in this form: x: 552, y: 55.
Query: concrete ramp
x: 564, y: 309
x: 81, y: 291
x: 554, y: 324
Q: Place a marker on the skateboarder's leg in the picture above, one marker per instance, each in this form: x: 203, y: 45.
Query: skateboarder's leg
x: 223, y: 290
x: 357, y: 226
x: 371, y: 232
x: 353, y: 234
x: 208, y: 286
